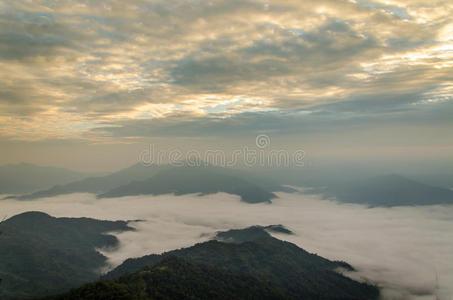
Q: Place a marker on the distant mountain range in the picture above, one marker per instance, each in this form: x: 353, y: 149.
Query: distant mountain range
x: 100, y: 184
x: 388, y: 190
x: 187, y: 180
x: 25, y: 178
x: 42, y: 255
x: 440, y: 180
x: 252, y: 186
x: 164, y: 179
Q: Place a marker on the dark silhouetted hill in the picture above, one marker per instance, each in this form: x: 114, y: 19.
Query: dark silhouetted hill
x: 42, y: 255
x: 175, y: 278
x: 254, y: 252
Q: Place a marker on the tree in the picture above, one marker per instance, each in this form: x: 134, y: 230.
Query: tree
x: 1, y: 234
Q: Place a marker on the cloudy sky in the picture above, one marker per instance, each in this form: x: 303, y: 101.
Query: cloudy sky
x: 81, y: 78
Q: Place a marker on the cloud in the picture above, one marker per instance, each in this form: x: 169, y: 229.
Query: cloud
x: 407, y: 113
x: 89, y: 65
x: 401, y: 249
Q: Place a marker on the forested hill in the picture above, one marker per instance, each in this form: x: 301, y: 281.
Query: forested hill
x: 175, y: 278
x: 252, y: 251
x: 42, y: 255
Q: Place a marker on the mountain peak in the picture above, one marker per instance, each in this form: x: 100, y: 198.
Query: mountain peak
x: 30, y: 215
x: 250, y: 234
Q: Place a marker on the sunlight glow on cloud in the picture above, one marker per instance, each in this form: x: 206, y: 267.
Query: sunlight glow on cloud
x: 68, y: 67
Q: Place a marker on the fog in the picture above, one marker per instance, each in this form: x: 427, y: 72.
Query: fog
x: 401, y: 249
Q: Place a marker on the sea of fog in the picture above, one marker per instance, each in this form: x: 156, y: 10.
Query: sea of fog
x: 408, y: 251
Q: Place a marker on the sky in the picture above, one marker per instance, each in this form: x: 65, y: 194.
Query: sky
x: 88, y: 84
x: 401, y: 249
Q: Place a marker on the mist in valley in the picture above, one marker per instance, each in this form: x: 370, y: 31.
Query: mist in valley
x: 407, y: 251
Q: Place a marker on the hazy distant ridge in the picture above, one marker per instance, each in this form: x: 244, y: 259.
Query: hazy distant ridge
x: 389, y: 190
x: 26, y: 178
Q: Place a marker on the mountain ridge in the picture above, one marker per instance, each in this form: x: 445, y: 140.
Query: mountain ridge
x: 300, y: 274
x: 42, y: 255
x: 389, y: 190
x: 175, y: 278
x: 187, y: 180
x: 26, y: 178
x: 162, y: 179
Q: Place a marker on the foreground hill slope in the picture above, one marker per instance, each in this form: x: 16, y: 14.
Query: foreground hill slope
x: 253, y: 251
x: 175, y: 278
x: 42, y: 255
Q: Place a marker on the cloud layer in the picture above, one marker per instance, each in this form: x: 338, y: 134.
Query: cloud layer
x: 92, y: 70
x: 401, y: 249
